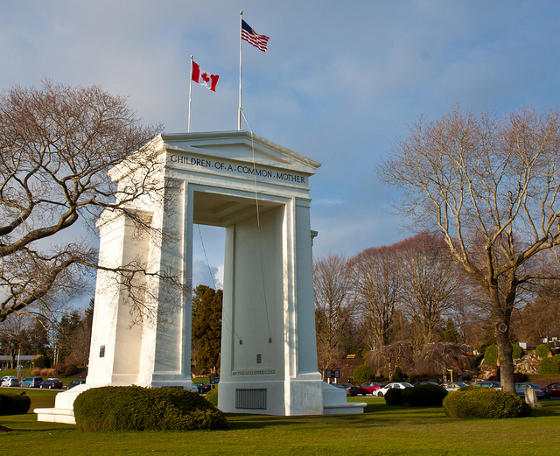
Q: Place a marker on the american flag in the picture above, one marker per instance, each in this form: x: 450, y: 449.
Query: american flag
x: 249, y: 35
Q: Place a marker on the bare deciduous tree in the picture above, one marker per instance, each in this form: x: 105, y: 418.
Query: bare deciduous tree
x: 377, y: 289
x: 491, y: 186
x: 332, y: 282
x: 430, y: 281
x: 57, y: 144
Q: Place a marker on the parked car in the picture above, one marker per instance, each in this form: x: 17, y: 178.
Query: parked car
x: 453, y: 386
x: 51, y: 383
x: 31, y: 382
x: 493, y: 385
x: 398, y: 385
x: 194, y: 388
x: 203, y: 388
x: 357, y: 390
x: 371, y: 387
x: 73, y: 383
x: 11, y: 382
x: 429, y: 383
x: 5, y: 380
x: 541, y: 391
x: 554, y: 389
x: 351, y: 390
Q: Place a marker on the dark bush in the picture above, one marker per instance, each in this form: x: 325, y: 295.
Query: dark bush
x: 14, y: 404
x: 550, y: 365
x: 212, y: 396
x: 484, y: 403
x: 424, y: 395
x: 40, y: 362
x: 66, y: 370
x: 70, y: 370
x: 394, y: 397
x: 542, y: 351
x: 132, y: 408
x: 520, y: 377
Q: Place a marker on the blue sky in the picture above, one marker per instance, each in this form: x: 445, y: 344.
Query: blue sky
x: 341, y: 82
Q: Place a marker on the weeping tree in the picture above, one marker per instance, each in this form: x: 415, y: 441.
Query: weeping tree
x: 437, y: 358
x: 392, y: 360
x: 491, y: 187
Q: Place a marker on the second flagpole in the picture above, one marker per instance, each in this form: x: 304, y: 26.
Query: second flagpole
x: 240, y: 61
x: 190, y: 96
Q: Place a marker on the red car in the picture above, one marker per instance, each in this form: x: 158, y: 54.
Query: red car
x: 554, y: 389
x: 371, y: 387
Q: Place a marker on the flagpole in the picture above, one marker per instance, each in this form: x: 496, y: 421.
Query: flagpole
x: 240, y: 60
x: 190, y: 97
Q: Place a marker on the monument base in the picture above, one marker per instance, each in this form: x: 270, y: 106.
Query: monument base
x: 335, y: 402
x: 285, y: 398
x: 63, y: 411
x: 264, y: 398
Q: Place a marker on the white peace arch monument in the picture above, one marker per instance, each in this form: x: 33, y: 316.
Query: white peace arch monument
x: 259, y: 192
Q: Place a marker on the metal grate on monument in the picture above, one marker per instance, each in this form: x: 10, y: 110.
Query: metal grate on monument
x: 254, y: 399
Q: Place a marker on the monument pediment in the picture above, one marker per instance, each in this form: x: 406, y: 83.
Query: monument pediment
x: 238, y: 146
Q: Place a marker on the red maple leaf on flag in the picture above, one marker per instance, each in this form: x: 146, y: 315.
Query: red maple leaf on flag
x: 203, y: 78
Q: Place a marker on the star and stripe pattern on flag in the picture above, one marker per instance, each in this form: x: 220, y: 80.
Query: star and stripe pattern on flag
x: 249, y: 35
x: 203, y: 78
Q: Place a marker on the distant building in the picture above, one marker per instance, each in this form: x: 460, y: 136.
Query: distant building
x: 21, y: 360
x: 552, y: 341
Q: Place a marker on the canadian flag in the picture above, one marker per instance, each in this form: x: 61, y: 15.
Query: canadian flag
x: 202, y: 77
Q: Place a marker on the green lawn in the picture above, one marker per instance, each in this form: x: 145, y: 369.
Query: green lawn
x: 380, y: 431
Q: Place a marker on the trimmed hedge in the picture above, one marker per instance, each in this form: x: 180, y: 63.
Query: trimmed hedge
x: 394, y: 397
x: 550, y: 365
x: 424, y: 395
x: 212, y: 396
x: 14, y: 404
x: 481, y: 402
x: 418, y: 396
x: 133, y: 408
x: 542, y: 351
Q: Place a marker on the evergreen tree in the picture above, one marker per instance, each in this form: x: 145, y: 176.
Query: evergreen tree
x: 450, y: 333
x: 206, y: 328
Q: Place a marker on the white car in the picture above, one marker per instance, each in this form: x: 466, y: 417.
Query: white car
x: 8, y: 380
x: 397, y: 385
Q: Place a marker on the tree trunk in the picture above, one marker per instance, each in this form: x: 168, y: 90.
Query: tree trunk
x: 505, y: 355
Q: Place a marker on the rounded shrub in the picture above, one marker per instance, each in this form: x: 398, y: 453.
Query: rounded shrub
x: 212, y: 396
x: 483, y: 402
x: 361, y: 374
x: 14, y: 404
x: 542, y: 351
x: 491, y: 355
x: 424, y: 395
x: 133, y: 408
x: 394, y: 397
x: 517, y: 351
x: 550, y: 365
